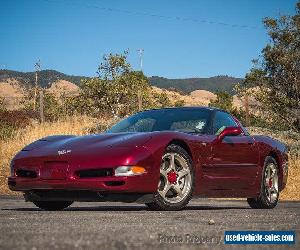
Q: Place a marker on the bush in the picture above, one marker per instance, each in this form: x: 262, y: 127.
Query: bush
x: 224, y: 101
x: 2, y: 106
x: 179, y: 103
x: 10, y: 121
x: 53, y: 109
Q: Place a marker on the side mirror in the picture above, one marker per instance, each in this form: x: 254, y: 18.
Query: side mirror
x: 229, y: 131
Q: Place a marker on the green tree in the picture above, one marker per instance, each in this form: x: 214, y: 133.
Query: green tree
x: 117, y: 89
x: 179, y: 103
x: 161, y: 100
x: 53, y: 109
x: 113, y: 66
x: 277, y: 73
x: 224, y: 101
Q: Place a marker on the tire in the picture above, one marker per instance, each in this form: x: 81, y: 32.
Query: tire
x: 269, y: 192
x: 52, y: 205
x: 176, y: 183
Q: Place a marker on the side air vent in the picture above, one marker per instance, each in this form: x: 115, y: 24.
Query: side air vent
x: 26, y: 173
x: 93, y: 173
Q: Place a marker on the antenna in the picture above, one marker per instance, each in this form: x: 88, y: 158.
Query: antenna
x: 141, y: 51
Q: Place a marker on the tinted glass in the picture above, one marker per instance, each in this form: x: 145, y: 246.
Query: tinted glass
x: 221, y: 121
x: 183, y: 120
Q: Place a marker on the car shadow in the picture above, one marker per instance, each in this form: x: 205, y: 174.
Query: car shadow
x: 128, y: 208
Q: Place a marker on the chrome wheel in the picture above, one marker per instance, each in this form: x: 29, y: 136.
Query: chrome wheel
x: 269, y: 188
x: 271, y: 182
x: 175, y: 178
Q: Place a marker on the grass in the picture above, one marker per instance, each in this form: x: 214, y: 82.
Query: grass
x: 81, y: 125
x: 73, y: 125
x: 292, y: 190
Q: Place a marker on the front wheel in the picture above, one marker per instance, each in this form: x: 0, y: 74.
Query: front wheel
x: 269, y: 192
x: 52, y: 205
x: 176, y: 182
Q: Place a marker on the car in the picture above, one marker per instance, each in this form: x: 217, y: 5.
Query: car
x: 159, y: 157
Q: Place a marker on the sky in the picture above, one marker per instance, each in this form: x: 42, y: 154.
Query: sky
x: 180, y: 38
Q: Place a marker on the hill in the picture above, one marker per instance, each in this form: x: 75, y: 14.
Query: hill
x: 46, y: 77
x: 61, y: 88
x: 185, y: 85
x: 188, y: 85
x: 13, y: 93
x: 196, y: 98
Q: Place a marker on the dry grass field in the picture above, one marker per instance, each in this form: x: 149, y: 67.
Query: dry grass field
x: 72, y: 125
x: 82, y: 125
x: 291, y: 192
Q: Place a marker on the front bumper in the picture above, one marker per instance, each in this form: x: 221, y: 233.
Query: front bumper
x: 136, y: 184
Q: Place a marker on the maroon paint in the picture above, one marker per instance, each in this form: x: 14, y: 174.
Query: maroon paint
x: 228, y: 165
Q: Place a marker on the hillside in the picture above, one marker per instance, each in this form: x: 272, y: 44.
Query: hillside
x: 63, y: 88
x: 187, y: 85
x: 13, y: 92
x: 196, y: 98
x: 46, y: 77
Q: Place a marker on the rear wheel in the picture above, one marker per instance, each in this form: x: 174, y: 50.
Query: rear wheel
x: 269, y: 192
x: 52, y: 205
x: 176, y: 181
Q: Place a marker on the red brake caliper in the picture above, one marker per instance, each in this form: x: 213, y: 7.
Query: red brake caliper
x: 270, y: 183
x: 172, y: 177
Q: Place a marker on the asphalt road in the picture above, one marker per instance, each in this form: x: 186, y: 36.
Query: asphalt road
x: 121, y: 226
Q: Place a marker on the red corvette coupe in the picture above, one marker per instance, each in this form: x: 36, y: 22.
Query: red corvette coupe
x: 158, y: 157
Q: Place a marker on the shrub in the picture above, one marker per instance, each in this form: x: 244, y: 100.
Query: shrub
x: 10, y: 121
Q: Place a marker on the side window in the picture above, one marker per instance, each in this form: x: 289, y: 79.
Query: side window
x: 221, y: 121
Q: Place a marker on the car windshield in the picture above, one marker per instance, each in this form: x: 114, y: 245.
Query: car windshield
x: 183, y: 120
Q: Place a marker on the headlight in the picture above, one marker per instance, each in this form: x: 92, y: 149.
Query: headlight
x: 129, y: 170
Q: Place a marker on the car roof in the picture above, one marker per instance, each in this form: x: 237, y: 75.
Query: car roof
x: 188, y: 108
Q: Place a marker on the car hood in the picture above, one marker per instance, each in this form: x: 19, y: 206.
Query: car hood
x: 67, y: 143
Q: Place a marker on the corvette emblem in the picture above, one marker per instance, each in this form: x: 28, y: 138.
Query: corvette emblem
x: 64, y: 151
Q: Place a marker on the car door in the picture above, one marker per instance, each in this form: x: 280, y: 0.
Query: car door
x: 233, y: 163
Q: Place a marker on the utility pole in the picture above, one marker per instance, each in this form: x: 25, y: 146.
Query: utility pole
x: 37, y: 67
x: 42, y: 117
x: 139, y: 94
x: 247, y: 109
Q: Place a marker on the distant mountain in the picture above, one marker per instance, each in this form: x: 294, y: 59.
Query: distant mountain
x: 45, y: 79
x: 187, y: 85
